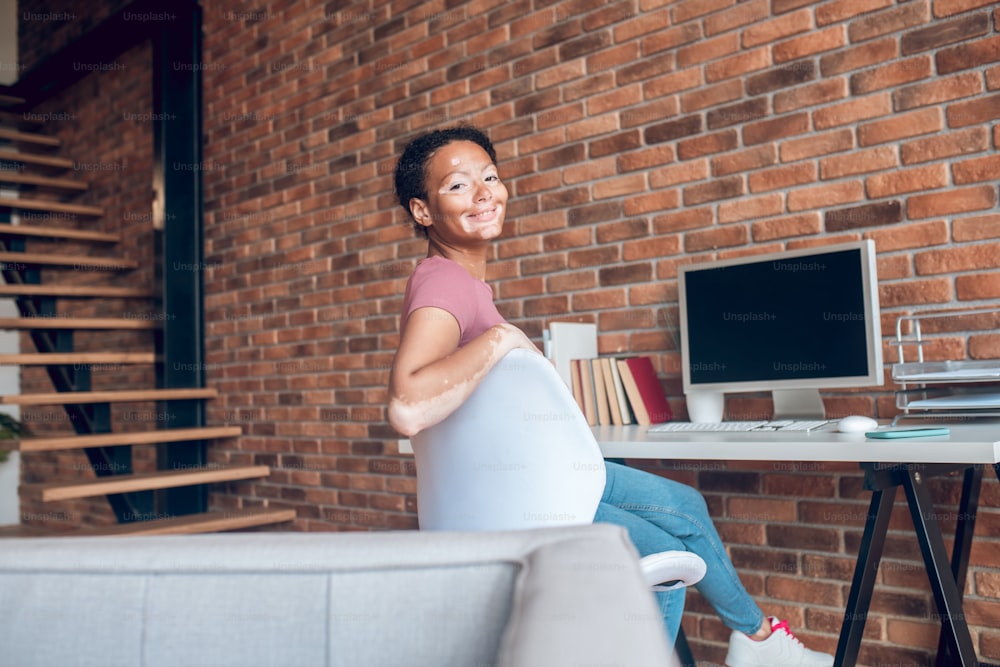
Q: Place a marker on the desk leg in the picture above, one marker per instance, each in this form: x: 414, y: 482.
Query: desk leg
x: 869, y: 555
x: 964, y: 530
x: 946, y: 594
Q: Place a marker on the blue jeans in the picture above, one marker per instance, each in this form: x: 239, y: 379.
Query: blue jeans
x: 663, y: 515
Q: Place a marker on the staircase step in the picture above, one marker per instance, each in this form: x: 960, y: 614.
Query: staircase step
x: 125, y: 396
x: 209, y: 522
x: 164, y: 479
x: 57, y: 322
x: 116, y: 439
x: 75, y: 291
x: 28, y: 138
x: 71, y: 358
x: 57, y: 233
x: 20, y: 178
x: 35, y: 159
x: 50, y: 206
x: 73, y: 261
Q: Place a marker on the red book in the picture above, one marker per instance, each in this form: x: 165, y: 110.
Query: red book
x: 644, y: 391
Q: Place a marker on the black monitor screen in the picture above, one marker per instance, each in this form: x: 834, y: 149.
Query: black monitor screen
x: 798, y: 318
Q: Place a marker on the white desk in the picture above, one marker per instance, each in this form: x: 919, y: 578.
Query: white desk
x: 888, y: 465
x: 967, y: 443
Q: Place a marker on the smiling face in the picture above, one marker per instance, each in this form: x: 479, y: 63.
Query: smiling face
x: 466, y: 201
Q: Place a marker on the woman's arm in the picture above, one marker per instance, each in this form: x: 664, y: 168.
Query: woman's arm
x: 431, y: 376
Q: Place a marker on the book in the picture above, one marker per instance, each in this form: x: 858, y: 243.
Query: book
x: 570, y: 340
x: 576, y: 384
x: 600, y: 393
x: 623, y: 407
x: 587, y: 389
x: 611, y: 391
x: 644, y: 391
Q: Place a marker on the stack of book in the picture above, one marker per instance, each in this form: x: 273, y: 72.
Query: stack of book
x: 619, y: 391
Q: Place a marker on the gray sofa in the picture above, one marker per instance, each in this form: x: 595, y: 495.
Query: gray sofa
x: 567, y: 596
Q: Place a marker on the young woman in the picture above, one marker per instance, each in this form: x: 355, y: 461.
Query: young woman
x: 452, y: 335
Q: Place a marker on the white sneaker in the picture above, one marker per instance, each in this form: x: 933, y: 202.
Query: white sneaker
x: 781, y: 648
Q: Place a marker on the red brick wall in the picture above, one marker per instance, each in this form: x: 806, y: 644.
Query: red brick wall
x: 633, y: 136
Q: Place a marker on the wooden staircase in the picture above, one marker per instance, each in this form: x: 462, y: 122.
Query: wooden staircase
x: 29, y: 168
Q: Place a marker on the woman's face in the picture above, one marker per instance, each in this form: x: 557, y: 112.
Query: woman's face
x: 465, y: 198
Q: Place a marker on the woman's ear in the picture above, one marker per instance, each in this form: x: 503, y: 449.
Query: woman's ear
x: 420, y: 212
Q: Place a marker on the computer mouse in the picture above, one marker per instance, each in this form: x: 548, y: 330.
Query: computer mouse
x: 856, y: 424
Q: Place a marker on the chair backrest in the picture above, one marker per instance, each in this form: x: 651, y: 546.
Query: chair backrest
x: 518, y: 453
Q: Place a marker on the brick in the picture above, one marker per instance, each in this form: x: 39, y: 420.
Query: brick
x: 977, y: 228
x: 623, y: 230
x: 918, y: 179
x: 651, y: 112
x: 950, y: 7
x: 722, y: 188
x: 708, y: 144
x: 906, y: 237
x: 821, y: 92
x: 914, y: 292
x: 969, y: 55
x: 974, y: 112
x: 803, y: 224
x: 586, y: 172
x: 825, y: 143
x: 810, y: 44
x: 621, y: 274
x: 858, y: 162
x: 902, y: 126
x: 940, y: 90
x: 858, y: 57
x: 692, y: 218
x: 633, y: 25
x: 853, y: 111
x: 646, y: 158
x: 735, y: 114
x: 867, y: 215
x: 976, y: 170
x: 825, y: 195
x: 615, y: 144
x: 777, y: 128
x: 942, y: 33
x: 786, y: 76
x: 746, y: 160
x: 769, y: 32
x: 962, y: 200
x: 841, y: 10
x: 783, y: 177
x: 891, y: 75
x: 742, y: 14
x: 977, y: 287
x: 961, y: 142
x: 621, y: 186
x: 672, y: 83
x: 903, y: 16
x: 602, y: 212
x: 954, y: 260
x: 993, y: 78
x: 670, y: 38
x: 687, y: 172
x: 748, y: 208
x: 706, y: 50
x: 743, y: 63
x: 674, y: 129
x: 712, y: 96
x: 654, y: 201
x: 712, y: 239
x: 692, y: 9
x: 644, y: 68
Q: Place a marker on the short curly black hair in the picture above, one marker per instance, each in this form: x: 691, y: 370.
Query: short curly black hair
x: 411, y: 170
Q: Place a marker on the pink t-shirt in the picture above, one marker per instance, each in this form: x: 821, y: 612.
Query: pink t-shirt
x: 441, y: 283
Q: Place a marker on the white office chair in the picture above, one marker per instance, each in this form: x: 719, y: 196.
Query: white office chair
x: 517, y: 454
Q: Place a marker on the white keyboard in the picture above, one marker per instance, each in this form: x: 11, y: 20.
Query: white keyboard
x: 737, y: 426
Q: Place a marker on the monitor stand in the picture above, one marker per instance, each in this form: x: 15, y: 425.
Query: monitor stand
x: 802, y: 404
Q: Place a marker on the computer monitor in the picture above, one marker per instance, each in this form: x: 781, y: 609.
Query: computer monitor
x: 791, y: 323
